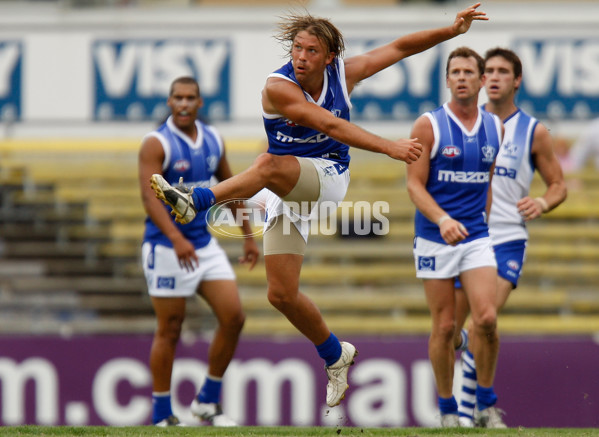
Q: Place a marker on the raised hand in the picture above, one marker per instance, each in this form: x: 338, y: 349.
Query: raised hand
x: 464, y: 18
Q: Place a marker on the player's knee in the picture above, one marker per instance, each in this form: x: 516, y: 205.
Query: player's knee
x: 170, y: 329
x: 265, y: 165
x: 446, y: 330
x: 275, y: 298
x: 236, y: 322
x: 487, y: 321
x: 279, y: 298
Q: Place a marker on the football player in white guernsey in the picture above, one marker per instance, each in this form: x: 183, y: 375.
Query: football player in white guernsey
x: 182, y: 261
x: 450, y: 187
x: 527, y: 146
x: 305, y: 107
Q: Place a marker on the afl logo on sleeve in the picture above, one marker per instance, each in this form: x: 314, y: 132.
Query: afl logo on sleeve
x: 426, y: 263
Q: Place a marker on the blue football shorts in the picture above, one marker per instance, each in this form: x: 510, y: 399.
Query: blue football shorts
x: 510, y: 258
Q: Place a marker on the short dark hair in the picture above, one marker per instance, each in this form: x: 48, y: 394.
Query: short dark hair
x: 321, y: 28
x: 186, y: 80
x: 466, y: 52
x: 508, y: 55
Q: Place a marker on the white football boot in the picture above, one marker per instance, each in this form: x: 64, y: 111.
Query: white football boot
x: 211, y: 413
x: 179, y: 199
x: 337, y: 374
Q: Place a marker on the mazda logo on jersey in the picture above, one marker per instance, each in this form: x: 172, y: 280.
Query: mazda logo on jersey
x: 451, y: 151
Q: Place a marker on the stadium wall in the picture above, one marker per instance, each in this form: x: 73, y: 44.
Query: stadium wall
x: 63, y: 70
x: 105, y: 74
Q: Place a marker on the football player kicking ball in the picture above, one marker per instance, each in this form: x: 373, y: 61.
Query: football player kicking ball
x: 306, y: 111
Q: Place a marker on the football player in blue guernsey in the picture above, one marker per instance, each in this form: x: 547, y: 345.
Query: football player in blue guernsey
x: 182, y: 261
x: 306, y: 116
x: 450, y: 187
x: 527, y: 146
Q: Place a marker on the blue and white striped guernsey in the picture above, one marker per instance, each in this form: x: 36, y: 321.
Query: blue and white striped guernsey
x: 459, y: 171
x: 514, y: 171
x: 196, y: 162
x: 287, y: 138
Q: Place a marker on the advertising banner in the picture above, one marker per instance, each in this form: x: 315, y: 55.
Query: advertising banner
x: 105, y: 380
x: 132, y: 77
x: 402, y: 91
x: 118, y: 66
x: 560, y: 76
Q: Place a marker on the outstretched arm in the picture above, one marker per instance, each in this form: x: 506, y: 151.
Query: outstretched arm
x: 286, y: 98
x: 360, y: 67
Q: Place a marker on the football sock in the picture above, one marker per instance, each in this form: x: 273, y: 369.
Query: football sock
x: 464, y: 345
x: 485, y: 397
x: 468, y: 395
x: 203, y: 198
x: 210, y: 392
x: 448, y: 405
x: 330, y: 350
x: 161, y: 406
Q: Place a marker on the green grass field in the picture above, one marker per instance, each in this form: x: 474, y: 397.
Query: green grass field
x: 142, y: 431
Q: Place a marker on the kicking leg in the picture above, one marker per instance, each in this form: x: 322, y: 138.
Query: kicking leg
x: 277, y: 173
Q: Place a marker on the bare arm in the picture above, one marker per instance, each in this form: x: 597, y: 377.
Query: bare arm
x: 360, y: 67
x: 451, y: 230
x: 550, y: 170
x: 286, y: 98
x: 150, y: 159
x: 250, y: 249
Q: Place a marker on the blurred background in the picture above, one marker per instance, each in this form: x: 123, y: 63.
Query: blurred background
x: 81, y: 82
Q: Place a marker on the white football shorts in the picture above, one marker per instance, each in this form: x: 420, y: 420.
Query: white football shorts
x: 166, y: 278
x: 442, y: 261
x: 334, y: 180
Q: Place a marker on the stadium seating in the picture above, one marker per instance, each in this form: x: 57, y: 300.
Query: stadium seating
x: 71, y: 222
